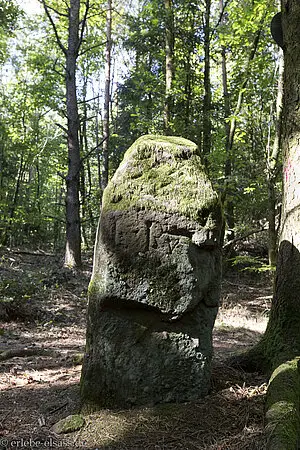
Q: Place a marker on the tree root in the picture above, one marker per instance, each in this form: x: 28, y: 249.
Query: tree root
x: 24, y: 352
x: 252, y: 360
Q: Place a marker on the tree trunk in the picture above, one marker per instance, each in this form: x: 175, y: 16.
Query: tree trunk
x: 226, y: 200
x: 231, y: 128
x: 169, y: 49
x: 8, y: 235
x: 188, y: 94
x: 73, y: 234
x: 229, y: 131
x: 272, y: 167
x: 106, y: 114
x: 206, y: 146
x: 75, y: 36
x: 281, y: 340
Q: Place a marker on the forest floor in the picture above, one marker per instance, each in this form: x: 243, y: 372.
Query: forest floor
x: 42, y: 336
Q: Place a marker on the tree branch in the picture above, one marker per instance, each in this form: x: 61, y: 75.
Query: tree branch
x: 61, y: 175
x: 83, y: 25
x: 58, y: 219
x: 91, y: 151
x: 60, y: 44
x: 55, y: 10
x: 89, y: 100
x: 91, y: 48
x: 220, y: 18
x: 57, y: 71
x: 62, y: 128
x: 240, y: 238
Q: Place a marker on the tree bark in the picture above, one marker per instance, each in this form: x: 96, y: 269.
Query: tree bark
x: 73, y: 232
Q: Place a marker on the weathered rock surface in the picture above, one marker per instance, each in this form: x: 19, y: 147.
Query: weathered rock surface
x: 155, y: 286
x: 68, y: 424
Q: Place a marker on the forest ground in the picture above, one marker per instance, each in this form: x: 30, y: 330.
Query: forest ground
x: 42, y: 335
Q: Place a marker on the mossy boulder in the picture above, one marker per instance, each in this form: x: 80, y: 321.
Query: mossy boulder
x: 69, y: 424
x: 283, y: 407
x: 154, y: 292
x: 164, y: 174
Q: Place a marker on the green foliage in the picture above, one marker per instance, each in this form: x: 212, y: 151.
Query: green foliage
x: 33, y: 157
x: 251, y: 264
x: 9, y: 14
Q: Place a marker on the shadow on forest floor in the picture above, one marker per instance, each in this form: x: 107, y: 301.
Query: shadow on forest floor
x: 47, y: 308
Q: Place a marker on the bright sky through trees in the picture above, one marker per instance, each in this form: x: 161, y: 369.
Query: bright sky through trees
x: 30, y: 6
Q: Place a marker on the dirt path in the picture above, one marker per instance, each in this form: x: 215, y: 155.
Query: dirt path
x: 44, y: 329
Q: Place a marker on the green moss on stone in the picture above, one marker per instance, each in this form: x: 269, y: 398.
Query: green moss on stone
x: 78, y: 358
x: 69, y: 424
x: 163, y: 174
x: 282, y: 406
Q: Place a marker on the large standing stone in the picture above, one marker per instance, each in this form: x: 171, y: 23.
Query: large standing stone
x: 155, y: 286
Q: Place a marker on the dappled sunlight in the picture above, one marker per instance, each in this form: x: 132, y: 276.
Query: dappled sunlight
x: 30, y: 411
x: 239, y: 316
x: 242, y: 317
x: 245, y: 303
x: 17, y: 375
x: 205, y: 424
x: 39, y: 390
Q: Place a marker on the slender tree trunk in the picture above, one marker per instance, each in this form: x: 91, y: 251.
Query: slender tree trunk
x: 96, y: 131
x: 73, y: 232
x: 169, y: 50
x: 229, y: 131
x: 206, y: 146
x: 188, y: 94
x: 57, y: 225
x: 13, y: 206
x: 231, y: 128
x: 106, y: 114
x: 272, y: 167
x: 75, y: 35
x: 85, y: 188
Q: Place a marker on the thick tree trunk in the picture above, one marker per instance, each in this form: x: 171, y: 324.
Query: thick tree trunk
x: 73, y: 234
x: 281, y: 340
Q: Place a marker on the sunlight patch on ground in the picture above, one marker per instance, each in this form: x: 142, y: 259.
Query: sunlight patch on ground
x: 239, y: 316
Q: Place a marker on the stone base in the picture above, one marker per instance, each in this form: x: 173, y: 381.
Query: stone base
x: 131, y: 363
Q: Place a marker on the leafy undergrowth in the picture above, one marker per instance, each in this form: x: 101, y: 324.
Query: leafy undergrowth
x: 42, y: 334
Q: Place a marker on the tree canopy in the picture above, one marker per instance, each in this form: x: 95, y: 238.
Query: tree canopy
x: 209, y: 68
